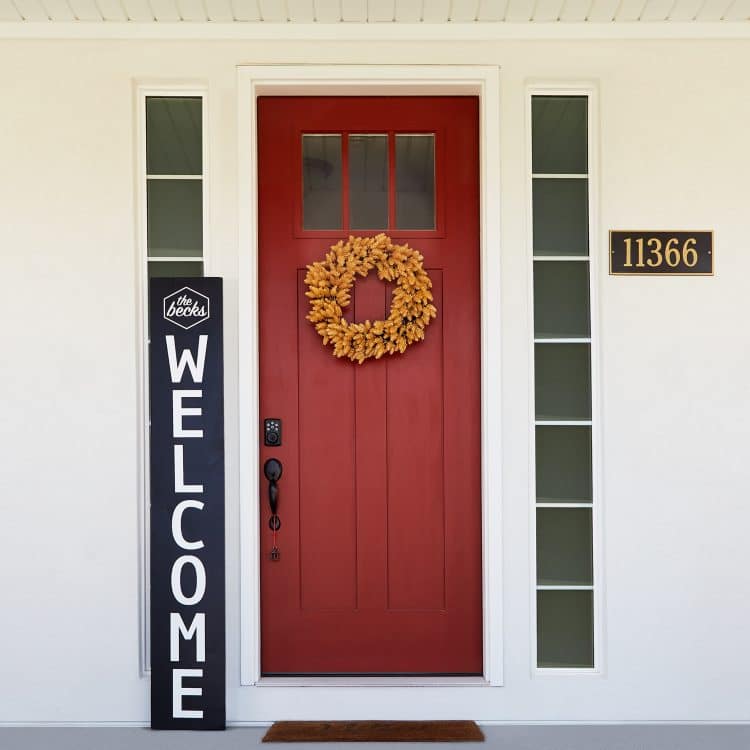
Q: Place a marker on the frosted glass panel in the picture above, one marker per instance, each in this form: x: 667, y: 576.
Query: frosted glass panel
x: 159, y: 269
x: 321, y: 181
x: 563, y: 381
x: 561, y: 299
x: 563, y: 547
x: 415, y: 181
x: 175, y: 217
x: 368, y: 181
x: 559, y: 132
x: 561, y: 220
x: 565, y: 629
x: 174, y: 135
x: 563, y: 464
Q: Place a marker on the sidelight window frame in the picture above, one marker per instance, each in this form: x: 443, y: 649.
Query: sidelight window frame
x: 143, y: 91
x: 595, y: 244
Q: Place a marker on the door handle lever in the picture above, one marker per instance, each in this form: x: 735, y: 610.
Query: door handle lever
x: 272, y: 469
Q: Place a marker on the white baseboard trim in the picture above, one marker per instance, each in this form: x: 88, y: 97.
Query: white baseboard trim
x: 73, y: 724
x: 482, y: 722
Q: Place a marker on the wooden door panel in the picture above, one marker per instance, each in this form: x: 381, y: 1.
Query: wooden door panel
x: 380, y: 568
x: 416, y: 514
x: 327, y: 474
x: 370, y: 300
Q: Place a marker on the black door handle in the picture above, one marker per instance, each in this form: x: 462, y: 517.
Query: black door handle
x: 272, y: 469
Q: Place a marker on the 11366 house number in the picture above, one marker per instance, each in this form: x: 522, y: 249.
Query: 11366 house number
x: 649, y: 252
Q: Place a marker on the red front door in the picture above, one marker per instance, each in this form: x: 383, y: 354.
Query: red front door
x: 379, y: 566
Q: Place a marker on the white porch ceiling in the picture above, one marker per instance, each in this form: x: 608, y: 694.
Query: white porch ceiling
x: 375, y: 11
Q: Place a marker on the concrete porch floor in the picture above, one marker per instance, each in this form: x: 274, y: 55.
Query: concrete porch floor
x: 516, y: 737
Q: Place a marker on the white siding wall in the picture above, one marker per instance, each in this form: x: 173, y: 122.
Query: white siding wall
x: 675, y: 363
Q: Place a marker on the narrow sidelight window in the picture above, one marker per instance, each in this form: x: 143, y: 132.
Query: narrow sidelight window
x: 174, y: 185
x: 172, y: 207
x: 564, y: 502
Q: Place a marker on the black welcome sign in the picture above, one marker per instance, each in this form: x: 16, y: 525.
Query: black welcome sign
x: 188, y: 661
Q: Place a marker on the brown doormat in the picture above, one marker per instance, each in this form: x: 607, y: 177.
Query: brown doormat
x: 374, y: 731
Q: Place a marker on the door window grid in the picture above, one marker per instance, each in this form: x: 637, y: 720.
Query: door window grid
x: 172, y: 149
x: 404, y: 209
x: 565, y: 600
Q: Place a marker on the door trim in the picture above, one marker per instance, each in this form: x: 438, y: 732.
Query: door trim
x: 369, y: 80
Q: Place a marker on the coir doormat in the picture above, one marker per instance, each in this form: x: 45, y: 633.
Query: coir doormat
x: 374, y: 731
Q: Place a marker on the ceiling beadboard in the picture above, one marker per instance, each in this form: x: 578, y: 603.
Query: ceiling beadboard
x: 376, y: 11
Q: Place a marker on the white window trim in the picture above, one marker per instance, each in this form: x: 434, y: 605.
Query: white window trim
x: 596, y: 243
x: 142, y: 90
x: 253, y: 81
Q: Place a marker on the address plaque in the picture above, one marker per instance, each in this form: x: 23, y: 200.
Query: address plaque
x: 645, y: 252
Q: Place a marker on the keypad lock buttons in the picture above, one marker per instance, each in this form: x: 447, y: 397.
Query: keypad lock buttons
x: 272, y: 432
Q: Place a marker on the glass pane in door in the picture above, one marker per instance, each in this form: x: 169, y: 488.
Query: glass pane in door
x: 321, y: 181
x: 415, y: 181
x: 368, y: 181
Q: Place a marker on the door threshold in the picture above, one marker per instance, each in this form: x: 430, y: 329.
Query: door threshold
x: 374, y: 681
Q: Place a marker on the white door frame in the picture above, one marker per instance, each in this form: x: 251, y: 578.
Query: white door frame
x: 372, y: 80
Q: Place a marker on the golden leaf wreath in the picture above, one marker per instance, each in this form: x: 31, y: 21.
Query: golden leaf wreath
x: 329, y: 284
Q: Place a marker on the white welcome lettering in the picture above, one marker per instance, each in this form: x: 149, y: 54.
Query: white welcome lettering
x: 177, y: 534
x: 200, y: 580
x: 178, y: 690
x: 177, y: 369
x: 196, y: 630
x: 179, y: 472
x: 186, y: 365
x: 179, y: 411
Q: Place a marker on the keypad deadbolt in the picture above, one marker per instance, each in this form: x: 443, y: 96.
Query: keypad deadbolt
x: 272, y: 432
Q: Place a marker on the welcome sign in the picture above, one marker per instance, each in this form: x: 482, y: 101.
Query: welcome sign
x: 187, y: 504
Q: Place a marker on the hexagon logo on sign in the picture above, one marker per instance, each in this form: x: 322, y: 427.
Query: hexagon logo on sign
x: 186, y: 308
